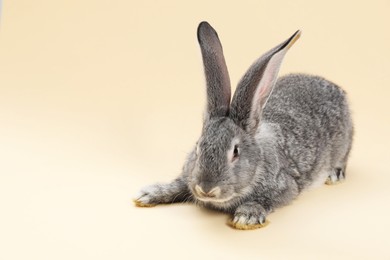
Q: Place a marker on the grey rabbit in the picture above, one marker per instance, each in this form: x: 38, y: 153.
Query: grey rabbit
x: 260, y: 150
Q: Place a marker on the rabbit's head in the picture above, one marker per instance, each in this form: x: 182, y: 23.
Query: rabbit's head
x: 223, y: 165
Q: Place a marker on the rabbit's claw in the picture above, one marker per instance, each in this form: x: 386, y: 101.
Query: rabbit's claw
x: 249, y: 216
x: 147, y: 197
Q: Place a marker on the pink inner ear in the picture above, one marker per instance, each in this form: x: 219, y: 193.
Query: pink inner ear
x: 265, y: 87
x: 270, y: 74
x: 262, y: 91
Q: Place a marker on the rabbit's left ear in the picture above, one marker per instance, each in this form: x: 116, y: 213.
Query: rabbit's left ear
x: 256, y: 86
x: 217, y: 76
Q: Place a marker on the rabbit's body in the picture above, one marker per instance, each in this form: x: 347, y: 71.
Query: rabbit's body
x: 261, y: 148
x: 311, y: 120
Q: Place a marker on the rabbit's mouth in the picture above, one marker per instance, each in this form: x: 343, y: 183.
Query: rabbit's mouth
x: 214, y: 195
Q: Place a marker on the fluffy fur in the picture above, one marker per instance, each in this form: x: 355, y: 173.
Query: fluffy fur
x: 261, y: 149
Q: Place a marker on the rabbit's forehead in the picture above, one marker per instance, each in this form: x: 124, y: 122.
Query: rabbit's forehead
x: 218, y: 134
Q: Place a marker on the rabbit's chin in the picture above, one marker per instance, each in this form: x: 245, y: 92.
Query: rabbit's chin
x: 217, y: 201
x: 224, y: 204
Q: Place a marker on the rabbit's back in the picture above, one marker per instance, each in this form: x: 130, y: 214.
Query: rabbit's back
x: 313, y: 124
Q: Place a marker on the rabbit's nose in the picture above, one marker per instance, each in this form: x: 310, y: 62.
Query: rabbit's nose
x: 212, y: 193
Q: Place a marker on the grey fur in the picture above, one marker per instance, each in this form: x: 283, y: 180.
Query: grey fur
x: 304, y: 137
x: 217, y: 76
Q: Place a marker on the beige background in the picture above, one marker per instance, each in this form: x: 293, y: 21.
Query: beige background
x: 99, y: 98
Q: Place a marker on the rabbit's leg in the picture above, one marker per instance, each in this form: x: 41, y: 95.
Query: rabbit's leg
x: 336, y: 176
x: 176, y: 191
x: 339, y: 162
x: 249, y: 215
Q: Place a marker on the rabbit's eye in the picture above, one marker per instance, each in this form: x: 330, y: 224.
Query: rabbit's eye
x: 235, y: 152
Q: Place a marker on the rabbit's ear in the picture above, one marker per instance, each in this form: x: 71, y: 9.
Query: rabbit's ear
x: 217, y: 76
x: 256, y: 86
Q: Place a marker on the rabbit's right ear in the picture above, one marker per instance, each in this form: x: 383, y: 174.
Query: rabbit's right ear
x: 217, y: 76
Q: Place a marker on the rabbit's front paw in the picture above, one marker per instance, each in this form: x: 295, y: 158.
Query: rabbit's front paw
x: 249, y: 216
x: 148, y: 196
